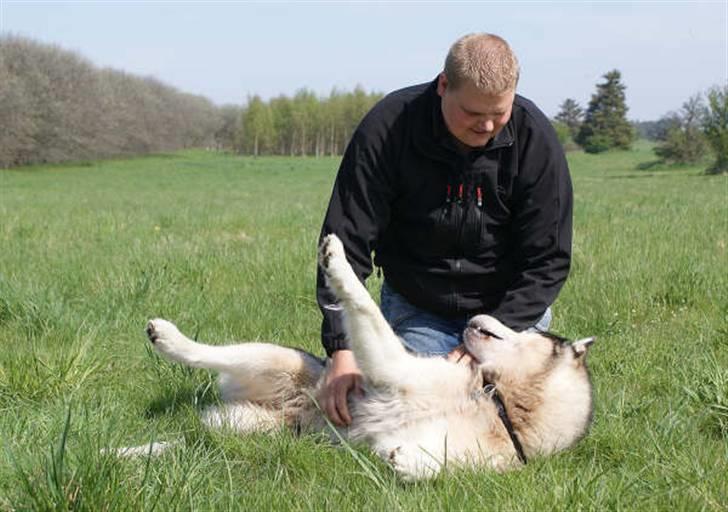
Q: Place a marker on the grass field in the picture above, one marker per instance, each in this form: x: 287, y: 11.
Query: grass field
x: 225, y: 247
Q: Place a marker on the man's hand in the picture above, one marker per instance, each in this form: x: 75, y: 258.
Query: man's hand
x: 460, y: 355
x: 343, y: 377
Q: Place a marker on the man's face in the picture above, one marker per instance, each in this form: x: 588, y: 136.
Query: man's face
x: 471, y: 115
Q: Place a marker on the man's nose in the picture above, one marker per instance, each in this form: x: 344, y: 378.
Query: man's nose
x: 486, y: 125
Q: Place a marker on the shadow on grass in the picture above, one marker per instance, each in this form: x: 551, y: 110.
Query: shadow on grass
x: 661, y: 172
x: 173, y: 400
x: 635, y: 176
x: 45, y: 166
x: 664, y: 168
x: 651, y: 165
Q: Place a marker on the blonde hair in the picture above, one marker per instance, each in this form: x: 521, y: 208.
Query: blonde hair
x: 485, y: 60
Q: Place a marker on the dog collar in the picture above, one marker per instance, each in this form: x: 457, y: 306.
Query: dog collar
x: 490, y: 389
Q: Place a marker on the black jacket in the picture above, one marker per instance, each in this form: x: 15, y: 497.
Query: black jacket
x: 456, y: 235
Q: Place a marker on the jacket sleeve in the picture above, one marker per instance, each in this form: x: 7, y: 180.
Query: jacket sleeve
x: 358, y: 212
x: 542, y: 229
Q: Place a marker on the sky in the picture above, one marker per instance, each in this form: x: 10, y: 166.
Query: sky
x: 667, y: 51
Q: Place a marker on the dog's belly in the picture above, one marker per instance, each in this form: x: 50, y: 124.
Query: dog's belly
x: 385, y: 422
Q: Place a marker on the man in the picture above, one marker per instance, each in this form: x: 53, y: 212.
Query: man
x: 461, y: 189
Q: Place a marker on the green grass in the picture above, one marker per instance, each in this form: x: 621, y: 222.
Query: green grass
x: 224, y: 246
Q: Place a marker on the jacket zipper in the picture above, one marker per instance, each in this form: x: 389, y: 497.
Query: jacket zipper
x: 460, y: 223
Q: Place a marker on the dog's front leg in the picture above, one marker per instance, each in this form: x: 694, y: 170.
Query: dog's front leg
x: 378, y: 351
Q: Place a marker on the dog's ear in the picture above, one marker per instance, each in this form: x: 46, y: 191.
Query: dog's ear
x: 580, y: 347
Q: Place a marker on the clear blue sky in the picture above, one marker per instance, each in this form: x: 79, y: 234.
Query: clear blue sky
x: 666, y: 51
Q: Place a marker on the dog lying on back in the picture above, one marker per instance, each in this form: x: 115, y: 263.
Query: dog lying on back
x: 525, y: 394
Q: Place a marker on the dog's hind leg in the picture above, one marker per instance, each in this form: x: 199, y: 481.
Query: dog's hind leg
x: 243, y: 418
x: 377, y: 350
x: 260, y: 372
x: 413, y: 462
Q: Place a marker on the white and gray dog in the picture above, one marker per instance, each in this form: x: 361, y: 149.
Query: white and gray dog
x: 524, y: 394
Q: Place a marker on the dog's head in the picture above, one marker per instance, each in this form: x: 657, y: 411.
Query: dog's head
x: 542, y: 378
x: 506, y: 354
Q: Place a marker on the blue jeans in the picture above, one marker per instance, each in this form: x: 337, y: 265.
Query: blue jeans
x: 427, y: 334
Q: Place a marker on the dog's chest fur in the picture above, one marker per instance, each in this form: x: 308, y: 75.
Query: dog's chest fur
x: 464, y: 424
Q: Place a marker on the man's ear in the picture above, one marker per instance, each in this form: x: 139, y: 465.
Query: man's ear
x: 441, y: 83
x: 580, y: 347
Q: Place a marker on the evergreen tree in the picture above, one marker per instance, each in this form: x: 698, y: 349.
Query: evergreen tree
x: 715, y: 127
x: 605, y: 125
x: 571, y: 114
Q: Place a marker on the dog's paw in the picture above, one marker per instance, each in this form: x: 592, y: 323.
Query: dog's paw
x: 331, y: 251
x: 413, y: 464
x: 165, y: 336
x: 340, y: 277
x: 159, y: 331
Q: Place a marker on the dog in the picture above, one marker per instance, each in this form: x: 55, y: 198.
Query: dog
x: 523, y: 395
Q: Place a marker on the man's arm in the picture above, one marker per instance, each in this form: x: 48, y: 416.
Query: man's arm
x: 358, y: 212
x: 541, y: 230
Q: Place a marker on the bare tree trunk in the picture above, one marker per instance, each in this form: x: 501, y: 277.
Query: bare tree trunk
x: 303, y: 141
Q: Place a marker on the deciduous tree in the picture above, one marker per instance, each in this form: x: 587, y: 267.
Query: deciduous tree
x: 684, y: 141
x: 715, y: 126
x: 258, y: 126
x: 56, y: 106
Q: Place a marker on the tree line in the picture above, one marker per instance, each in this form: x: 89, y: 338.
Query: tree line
x: 683, y: 137
x: 56, y: 106
x: 302, y: 125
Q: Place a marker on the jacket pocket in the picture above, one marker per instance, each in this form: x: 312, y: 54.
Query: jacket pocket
x: 488, y: 219
x: 443, y: 236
